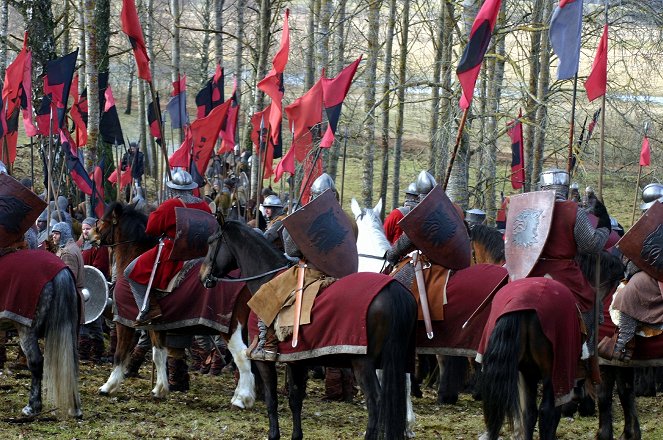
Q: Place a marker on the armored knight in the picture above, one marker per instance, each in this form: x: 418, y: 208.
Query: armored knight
x: 475, y: 217
x: 638, y: 303
x: 69, y: 252
x: 154, y: 269
x: 391, y: 228
x: 571, y: 233
x: 274, y: 215
x: 265, y: 346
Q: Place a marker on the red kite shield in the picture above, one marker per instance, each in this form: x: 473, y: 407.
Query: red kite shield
x: 193, y: 228
x: 437, y: 229
x: 323, y: 233
x: 19, y: 208
x: 643, y: 243
x: 527, y: 228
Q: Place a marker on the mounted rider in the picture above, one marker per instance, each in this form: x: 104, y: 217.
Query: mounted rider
x: 154, y: 269
x: 638, y: 304
x: 569, y: 233
x: 322, y: 220
x: 274, y: 215
x: 391, y: 228
x: 436, y: 237
x: 475, y: 217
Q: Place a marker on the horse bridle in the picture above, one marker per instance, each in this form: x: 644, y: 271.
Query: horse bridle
x: 103, y: 238
x: 218, y: 237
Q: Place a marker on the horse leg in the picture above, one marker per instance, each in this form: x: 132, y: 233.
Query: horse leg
x: 269, y: 378
x: 245, y: 394
x: 297, y: 376
x: 30, y: 347
x: 125, y: 342
x: 626, y: 393
x: 608, y: 374
x: 364, y: 370
x: 160, y: 358
x: 527, y: 388
x: 452, y: 379
x: 411, y: 416
x: 549, y: 414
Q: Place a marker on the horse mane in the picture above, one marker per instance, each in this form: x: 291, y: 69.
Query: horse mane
x: 611, y: 266
x: 252, y: 242
x: 491, y: 239
x: 378, y: 237
x: 133, y: 223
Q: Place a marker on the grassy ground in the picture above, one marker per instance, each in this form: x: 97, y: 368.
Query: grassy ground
x: 205, y: 412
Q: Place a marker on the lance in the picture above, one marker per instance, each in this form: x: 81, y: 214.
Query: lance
x: 569, y: 164
x: 637, y: 185
x: 259, y: 174
x: 118, y: 172
x: 459, y: 136
x: 32, y: 163
x: 291, y: 178
x: 5, y: 147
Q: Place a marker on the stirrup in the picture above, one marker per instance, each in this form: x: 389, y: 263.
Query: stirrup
x: 260, y: 354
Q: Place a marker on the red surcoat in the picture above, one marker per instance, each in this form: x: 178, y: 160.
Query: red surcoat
x: 391, y: 228
x: 97, y: 257
x: 558, y: 255
x: 162, y: 222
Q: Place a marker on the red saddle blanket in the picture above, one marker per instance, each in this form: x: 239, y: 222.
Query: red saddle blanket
x: 557, y: 311
x: 23, y: 275
x: 191, y: 305
x: 338, y: 319
x: 645, y: 348
x: 466, y: 290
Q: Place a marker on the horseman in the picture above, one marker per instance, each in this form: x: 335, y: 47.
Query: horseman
x: 475, y: 217
x: 274, y: 215
x: 69, y: 252
x: 639, y: 302
x: 390, y: 226
x: 265, y: 346
x: 154, y: 269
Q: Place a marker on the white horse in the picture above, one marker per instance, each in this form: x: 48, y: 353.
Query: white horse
x: 372, y: 244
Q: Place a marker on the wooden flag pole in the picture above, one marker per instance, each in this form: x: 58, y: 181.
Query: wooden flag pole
x: 569, y: 163
x: 157, y: 114
x: 635, y: 196
x: 345, y: 151
x: 461, y: 126
x: 262, y: 146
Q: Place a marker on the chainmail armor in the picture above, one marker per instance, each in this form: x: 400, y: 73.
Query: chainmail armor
x: 402, y: 247
x: 184, y: 195
x: 627, y: 327
x: 274, y: 232
x: 290, y: 247
x: 405, y: 275
x: 588, y: 239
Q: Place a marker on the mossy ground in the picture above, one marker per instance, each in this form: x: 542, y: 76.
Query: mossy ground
x: 205, y: 413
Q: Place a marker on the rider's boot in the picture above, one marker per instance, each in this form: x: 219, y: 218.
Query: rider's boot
x: 266, y: 346
x: 151, y: 313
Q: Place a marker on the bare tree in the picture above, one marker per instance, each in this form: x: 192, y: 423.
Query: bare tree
x: 218, y: 36
x: 386, y: 104
x: 309, y: 66
x: 4, y: 23
x: 400, y: 119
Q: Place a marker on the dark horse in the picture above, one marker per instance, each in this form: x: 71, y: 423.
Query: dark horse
x: 390, y: 322
x: 520, y: 354
x: 123, y: 228
x: 56, y: 320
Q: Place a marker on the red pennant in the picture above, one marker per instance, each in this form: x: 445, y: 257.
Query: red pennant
x: 597, y: 81
x: 131, y: 26
x: 645, y: 153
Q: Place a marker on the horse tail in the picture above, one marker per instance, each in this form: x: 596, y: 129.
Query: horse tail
x: 396, y: 351
x: 60, y: 346
x: 500, y: 375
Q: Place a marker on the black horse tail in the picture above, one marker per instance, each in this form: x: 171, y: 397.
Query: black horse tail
x: 61, y: 345
x: 397, y: 351
x: 499, y: 379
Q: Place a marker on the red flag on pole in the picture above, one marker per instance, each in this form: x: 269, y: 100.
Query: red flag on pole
x: 597, y: 80
x: 230, y: 127
x: 645, y: 153
x: 515, y: 131
x: 125, y: 177
x: 334, y: 91
x: 304, y: 114
x: 477, y: 45
x: 272, y: 83
x: 131, y: 26
x: 286, y: 164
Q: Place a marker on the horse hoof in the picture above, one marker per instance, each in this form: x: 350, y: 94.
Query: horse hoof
x: 27, y: 411
x: 103, y: 391
x: 76, y: 413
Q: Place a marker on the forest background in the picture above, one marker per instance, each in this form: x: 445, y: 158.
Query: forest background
x: 402, y: 113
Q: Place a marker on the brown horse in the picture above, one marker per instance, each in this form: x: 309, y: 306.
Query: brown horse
x: 123, y: 229
x: 388, y: 323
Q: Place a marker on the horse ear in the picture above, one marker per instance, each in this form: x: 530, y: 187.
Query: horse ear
x: 354, y: 205
x: 378, y: 208
x: 117, y: 212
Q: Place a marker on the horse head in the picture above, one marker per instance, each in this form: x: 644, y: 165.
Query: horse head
x: 487, y: 245
x: 219, y: 259
x: 372, y: 242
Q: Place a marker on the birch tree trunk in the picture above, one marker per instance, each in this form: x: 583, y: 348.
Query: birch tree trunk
x: 153, y: 155
x: 203, y: 66
x: 323, y: 31
x: 66, y: 12
x: 447, y: 106
x: 92, y: 81
x: 239, y: 49
x: 542, y: 97
x: 535, y: 68
x: 400, y: 119
x: 40, y: 26
x: 434, y: 134
x: 175, y: 49
x: 81, y: 44
x: 339, y: 63
x: 494, y: 97
x: 369, y: 100
x: 309, y: 67
x: 130, y: 86
x: 4, y: 24
x: 386, y: 104
x: 218, y: 25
